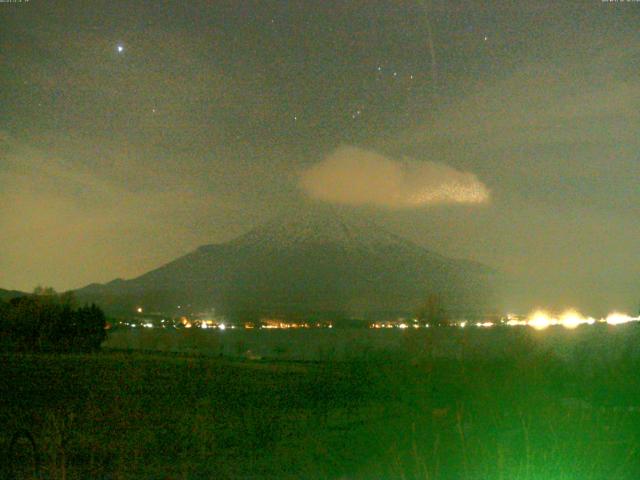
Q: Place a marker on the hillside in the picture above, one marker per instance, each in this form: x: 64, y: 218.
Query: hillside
x: 6, y: 295
x: 322, y: 262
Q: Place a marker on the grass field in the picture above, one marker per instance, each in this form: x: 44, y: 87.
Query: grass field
x: 528, y: 415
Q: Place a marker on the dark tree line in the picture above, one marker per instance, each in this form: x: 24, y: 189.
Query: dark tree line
x: 46, y: 321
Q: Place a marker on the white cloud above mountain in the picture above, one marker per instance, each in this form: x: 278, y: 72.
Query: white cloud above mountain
x: 355, y: 176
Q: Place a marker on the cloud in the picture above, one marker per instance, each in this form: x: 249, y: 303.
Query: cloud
x: 558, y: 139
x: 559, y: 132
x: 354, y: 176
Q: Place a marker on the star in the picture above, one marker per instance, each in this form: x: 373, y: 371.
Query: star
x: 120, y: 48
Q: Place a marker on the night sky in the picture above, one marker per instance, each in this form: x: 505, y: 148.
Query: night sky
x: 505, y: 132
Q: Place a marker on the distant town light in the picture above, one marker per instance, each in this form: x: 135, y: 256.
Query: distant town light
x: 571, y: 319
x: 540, y: 320
x: 616, y: 318
x: 515, y: 323
x: 484, y: 324
x: 139, y: 309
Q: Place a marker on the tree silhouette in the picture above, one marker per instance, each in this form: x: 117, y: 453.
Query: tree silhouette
x: 433, y: 311
x: 46, y: 321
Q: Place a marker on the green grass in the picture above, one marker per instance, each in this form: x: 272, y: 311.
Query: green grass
x: 133, y: 415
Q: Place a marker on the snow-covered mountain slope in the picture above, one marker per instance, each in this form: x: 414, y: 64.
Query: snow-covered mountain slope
x: 318, y: 261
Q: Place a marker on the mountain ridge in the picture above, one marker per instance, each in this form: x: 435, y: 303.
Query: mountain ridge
x: 6, y: 295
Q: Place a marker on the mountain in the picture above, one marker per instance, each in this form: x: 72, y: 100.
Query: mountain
x: 6, y: 295
x: 320, y: 262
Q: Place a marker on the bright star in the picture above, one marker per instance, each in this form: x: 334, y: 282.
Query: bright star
x: 120, y: 48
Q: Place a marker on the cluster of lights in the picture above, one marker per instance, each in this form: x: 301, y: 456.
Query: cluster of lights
x: 210, y: 324
x: 538, y: 320
x: 616, y: 318
x: 570, y: 319
x: 146, y: 324
x: 221, y: 326
x: 464, y: 323
x: 484, y: 324
x: 401, y: 326
x: 286, y: 326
